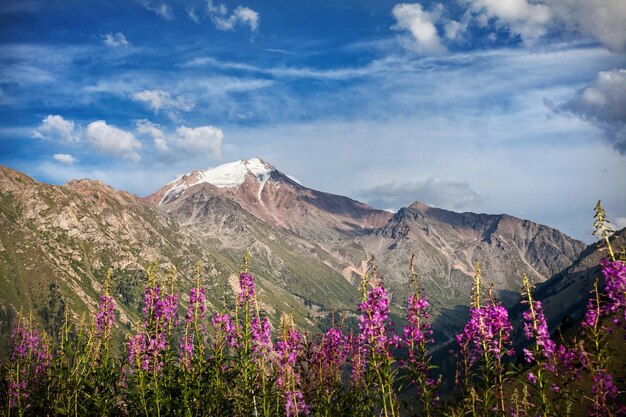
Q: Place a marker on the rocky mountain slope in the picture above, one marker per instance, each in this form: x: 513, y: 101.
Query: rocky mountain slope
x: 309, y: 248
x: 344, y: 234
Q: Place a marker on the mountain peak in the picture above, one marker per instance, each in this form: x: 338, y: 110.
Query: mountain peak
x: 229, y: 175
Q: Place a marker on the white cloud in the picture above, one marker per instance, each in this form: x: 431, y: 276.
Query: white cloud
x: 191, y: 12
x: 433, y: 191
x: 620, y: 223
x: 114, y: 141
x: 64, y: 158
x: 55, y: 127
x: 212, y: 8
x: 202, y: 139
x: 189, y: 140
x: 115, y: 40
x: 603, y: 104
x: 421, y: 25
x: 144, y: 127
x: 528, y: 20
x: 241, y: 16
x: 605, y: 20
x: 163, y: 10
x: 159, y: 99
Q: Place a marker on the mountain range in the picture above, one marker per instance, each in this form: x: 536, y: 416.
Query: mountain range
x: 309, y: 249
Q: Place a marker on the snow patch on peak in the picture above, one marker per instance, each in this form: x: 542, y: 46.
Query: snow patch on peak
x: 229, y: 175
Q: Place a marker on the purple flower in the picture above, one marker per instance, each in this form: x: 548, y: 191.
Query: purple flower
x: 536, y: 328
x: 225, y: 328
x: 532, y: 378
x: 146, y: 350
x: 195, y: 313
x: 356, y: 354
x: 328, y: 359
x: 417, y: 331
x: 295, y: 405
x: 417, y: 335
x: 487, y: 331
x: 373, y: 322
x: 605, y: 393
x: 248, y: 292
x: 261, y: 333
x: 287, y: 350
x: 615, y: 287
x: 31, y: 356
x: 105, y: 317
x: 197, y: 306
x: 186, y: 350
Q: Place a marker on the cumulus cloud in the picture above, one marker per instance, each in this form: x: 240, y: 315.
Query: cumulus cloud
x: 433, y: 191
x: 55, y: 127
x: 620, y: 223
x: 603, y: 103
x: 604, y: 20
x: 145, y: 127
x: 202, y: 139
x: 188, y: 140
x: 421, y: 25
x: 113, y: 141
x: 241, y: 16
x: 162, y: 9
x: 528, y: 20
x: 115, y: 40
x: 64, y: 158
x: 159, y: 99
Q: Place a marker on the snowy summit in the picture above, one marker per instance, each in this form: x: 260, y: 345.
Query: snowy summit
x: 229, y: 175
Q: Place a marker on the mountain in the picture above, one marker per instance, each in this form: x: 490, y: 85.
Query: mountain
x: 344, y: 234
x: 565, y: 295
x: 309, y: 248
x: 274, y: 198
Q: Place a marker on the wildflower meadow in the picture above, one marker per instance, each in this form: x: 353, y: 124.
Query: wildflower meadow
x: 203, y: 362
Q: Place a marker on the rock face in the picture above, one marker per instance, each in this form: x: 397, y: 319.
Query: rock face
x: 309, y: 248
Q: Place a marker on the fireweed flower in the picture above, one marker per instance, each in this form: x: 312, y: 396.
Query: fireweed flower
x: 417, y: 334
x: 484, y: 341
x: 248, y: 292
x: 105, y: 317
x: 615, y: 287
x: 147, y: 349
x: 287, y: 350
x: 377, y: 340
x: 357, y: 356
x: 31, y: 359
x: 330, y: 355
x: 487, y: 332
x: 197, y: 306
x: 225, y: 328
x: 261, y: 332
x: 373, y: 322
x: 193, y: 324
x: 137, y: 352
x: 536, y: 328
x: 605, y: 393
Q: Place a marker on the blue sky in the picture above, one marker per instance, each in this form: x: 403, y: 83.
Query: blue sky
x: 515, y: 106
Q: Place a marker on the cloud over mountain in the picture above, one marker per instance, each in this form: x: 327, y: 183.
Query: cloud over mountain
x: 433, y: 191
